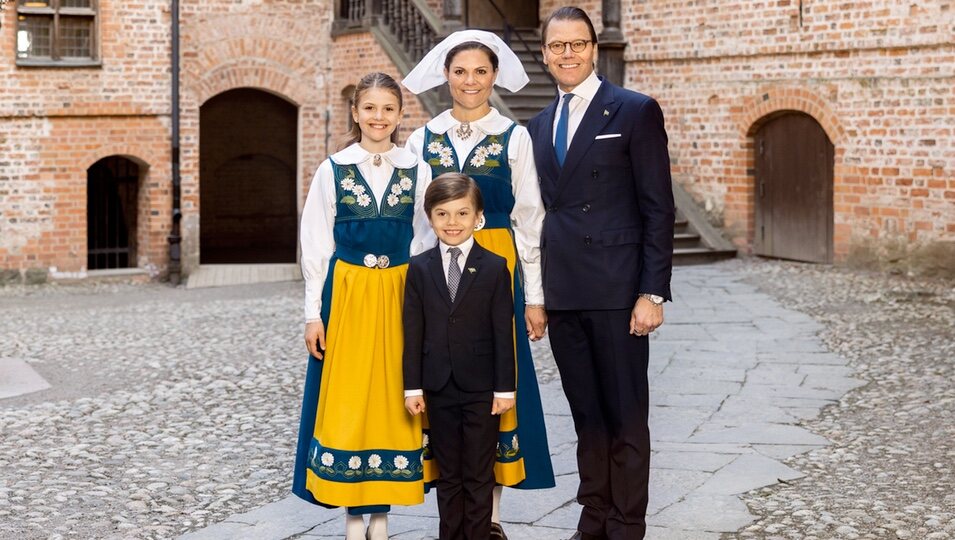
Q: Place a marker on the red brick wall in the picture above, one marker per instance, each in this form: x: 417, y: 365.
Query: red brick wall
x: 55, y: 123
x: 878, y: 76
x: 282, y: 47
x: 592, y: 7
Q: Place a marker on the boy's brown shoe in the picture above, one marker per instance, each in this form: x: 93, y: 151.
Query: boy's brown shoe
x: 497, y: 532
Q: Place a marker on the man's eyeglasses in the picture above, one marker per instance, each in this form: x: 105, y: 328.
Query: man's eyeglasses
x: 578, y: 45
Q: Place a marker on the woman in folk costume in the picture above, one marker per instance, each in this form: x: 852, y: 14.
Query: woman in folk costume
x: 475, y: 139
x: 358, y: 447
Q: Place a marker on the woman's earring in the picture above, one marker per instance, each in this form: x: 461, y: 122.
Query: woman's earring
x: 480, y: 223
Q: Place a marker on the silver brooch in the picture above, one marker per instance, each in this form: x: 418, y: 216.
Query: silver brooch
x: 464, y: 130
x: 376, y: 161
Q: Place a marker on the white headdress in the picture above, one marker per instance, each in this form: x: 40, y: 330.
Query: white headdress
x: 429, y: 72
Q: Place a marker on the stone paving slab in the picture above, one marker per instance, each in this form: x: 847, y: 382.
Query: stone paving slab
x: 18, y: 378
x: 732, y: 374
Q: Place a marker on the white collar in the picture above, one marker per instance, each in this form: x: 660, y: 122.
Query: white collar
x: 355, y: 154
x: 586, y: 89
x: 492, y: 123
x: 464, y: 246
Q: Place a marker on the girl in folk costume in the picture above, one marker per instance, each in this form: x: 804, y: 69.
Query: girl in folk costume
x: 475, y: 139
x: 358, y: 447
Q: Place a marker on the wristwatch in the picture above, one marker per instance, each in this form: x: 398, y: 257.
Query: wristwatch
x: 654, y: 299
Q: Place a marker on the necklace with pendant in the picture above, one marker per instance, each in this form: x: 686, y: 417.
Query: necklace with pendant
x: 376, y: 161
x: 464, y: 130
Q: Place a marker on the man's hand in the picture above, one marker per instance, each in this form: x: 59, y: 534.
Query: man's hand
x: 645, y: 317
x: 536, y: 319
x: 414, y: 404
x: 315, y: 338
x: 502, y: 405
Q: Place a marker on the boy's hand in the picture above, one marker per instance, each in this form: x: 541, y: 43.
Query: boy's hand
x: 502, y: 405
x: 414, y: 404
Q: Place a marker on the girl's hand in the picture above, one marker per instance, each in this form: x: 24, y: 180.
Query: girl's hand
x: 315, y: 338
x: 502, y: 405
x: 415, y: 405
x: 536, y: 319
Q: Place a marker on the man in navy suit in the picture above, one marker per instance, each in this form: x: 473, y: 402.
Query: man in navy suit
x: 607, y: 247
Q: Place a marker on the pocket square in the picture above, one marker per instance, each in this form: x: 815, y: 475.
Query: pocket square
x: 607, y: 136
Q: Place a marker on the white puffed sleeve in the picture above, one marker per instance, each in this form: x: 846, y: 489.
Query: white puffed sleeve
x: 527, y: 217
x: 415, y: 143
x: 318, y: 241
x: 424, y: 238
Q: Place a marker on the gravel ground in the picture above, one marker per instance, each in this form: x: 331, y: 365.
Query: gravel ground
x: 171, y: 409
x: 890, y: 470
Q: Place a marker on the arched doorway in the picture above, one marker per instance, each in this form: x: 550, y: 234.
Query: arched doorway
x: 794, y: 171
x: 112, y: 188
x: 247, y: 167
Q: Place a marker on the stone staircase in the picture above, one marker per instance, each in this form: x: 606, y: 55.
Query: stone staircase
x: 695, y: 241
x: 540, y: 91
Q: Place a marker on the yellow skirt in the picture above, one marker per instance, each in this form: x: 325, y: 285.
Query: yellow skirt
x: 509, y: 466
x: 366, y: 449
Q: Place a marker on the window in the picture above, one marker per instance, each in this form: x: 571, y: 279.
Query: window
x: 58, y: 32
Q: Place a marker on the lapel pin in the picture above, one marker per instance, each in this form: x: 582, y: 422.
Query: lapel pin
x: 472, y: 269
x: 606, y: 112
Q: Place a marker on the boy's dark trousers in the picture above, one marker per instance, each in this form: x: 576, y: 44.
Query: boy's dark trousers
x: 464, y: 441
x: 460, y: 352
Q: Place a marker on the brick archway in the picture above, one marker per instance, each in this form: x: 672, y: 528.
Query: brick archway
x: 259, y: 65
x: 764, y: 105
x: 131, y: 153
x: 153, y: 205
x: 248, y: 73
x: 773, y: 100
x: 264, y: 55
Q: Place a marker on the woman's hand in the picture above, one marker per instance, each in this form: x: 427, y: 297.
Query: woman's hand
x: 315, y: 338
x: 536, y: 319
x: 502, y: 405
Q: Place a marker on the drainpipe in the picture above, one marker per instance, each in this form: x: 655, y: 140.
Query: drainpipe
x: 175, y: 250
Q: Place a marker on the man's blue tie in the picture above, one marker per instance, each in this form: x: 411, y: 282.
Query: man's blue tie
x: 560, y: 138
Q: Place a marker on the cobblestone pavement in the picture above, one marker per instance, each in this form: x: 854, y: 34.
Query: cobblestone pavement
x: 170, y: 409
x: 890, y: 469
x: 174, y: 409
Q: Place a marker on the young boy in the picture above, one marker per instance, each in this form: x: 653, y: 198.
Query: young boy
x: 459, y: 354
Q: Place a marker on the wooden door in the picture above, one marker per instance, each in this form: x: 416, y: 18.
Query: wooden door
x: 248, y: 141
x: 794, y: 162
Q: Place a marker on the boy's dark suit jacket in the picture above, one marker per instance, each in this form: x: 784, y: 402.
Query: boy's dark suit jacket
x: 470, y: 339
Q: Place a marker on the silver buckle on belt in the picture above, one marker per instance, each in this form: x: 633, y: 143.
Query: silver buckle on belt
x: 372, y: 261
